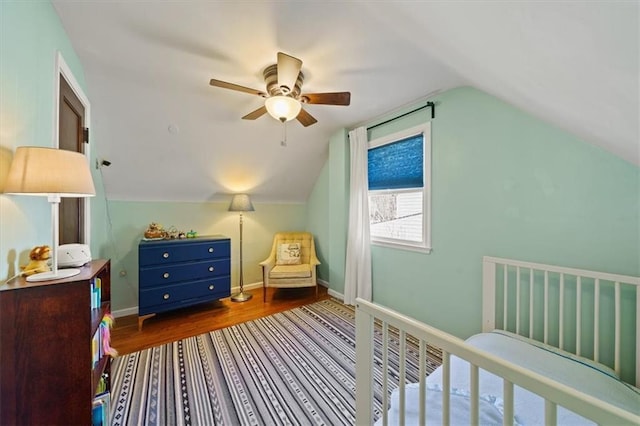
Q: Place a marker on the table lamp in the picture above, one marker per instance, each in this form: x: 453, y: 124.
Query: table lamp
x: 54, y: 173
x: 241, y: 203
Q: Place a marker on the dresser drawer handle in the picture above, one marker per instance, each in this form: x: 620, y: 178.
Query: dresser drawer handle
x: 211, y: 287
x: 211, y: 268
x: 210, y: 249
x: 165, y: 255
x: 165, y: 275
x: 166, y: 296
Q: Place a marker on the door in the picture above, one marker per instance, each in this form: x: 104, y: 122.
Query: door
x: 71, y: 137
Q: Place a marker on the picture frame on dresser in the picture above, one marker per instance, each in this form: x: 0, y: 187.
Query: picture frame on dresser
x: 178, y: 273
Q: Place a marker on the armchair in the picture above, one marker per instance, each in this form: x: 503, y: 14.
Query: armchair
x: 275, y: 271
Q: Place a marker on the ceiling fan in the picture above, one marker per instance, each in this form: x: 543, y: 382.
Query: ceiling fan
x: 283, y: 95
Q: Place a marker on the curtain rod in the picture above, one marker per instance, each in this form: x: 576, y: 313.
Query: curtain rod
x: 427, y: 105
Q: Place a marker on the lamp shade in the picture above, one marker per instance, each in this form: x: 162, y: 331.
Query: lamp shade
x: 241, y: 203
x: 283, y: 108
x: 44, y: 171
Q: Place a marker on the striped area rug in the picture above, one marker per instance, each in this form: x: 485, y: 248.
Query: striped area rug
x: 295, y: 367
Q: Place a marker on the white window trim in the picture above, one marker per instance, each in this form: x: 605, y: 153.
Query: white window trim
x: 424, y: 246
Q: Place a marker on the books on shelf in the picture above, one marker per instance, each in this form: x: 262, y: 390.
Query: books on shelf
x: 95, y: 349
x: 96, y: 292
x: 101, y: 409
x: 103, y: 384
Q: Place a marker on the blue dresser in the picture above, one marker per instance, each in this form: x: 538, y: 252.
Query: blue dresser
x: 173, y: 274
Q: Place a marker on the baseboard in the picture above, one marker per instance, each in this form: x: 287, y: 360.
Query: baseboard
x: 134, y: 310
x: 125, y: 312
x: 337, y: 295
x: 247, y: 286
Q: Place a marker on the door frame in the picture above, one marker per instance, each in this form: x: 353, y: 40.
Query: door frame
x: 62, y: 69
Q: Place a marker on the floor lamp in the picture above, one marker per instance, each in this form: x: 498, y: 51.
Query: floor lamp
x: 54, y: 173
x: 241, y: 203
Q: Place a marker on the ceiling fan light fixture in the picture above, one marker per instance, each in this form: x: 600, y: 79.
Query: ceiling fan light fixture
x: 283, y: 108
x: 284, y: 96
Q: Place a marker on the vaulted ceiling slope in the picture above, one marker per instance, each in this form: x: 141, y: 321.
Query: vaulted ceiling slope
x: 171, y: 136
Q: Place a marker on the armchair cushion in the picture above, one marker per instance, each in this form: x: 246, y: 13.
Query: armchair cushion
x: 288, y: 254
x: 291, y: 271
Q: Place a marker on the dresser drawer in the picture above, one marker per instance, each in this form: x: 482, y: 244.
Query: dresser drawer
x: 169, y: 297
x: 171, y: 252
x: 173, y: 273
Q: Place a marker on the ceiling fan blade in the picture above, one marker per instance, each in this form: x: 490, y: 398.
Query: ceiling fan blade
x: 226, y: 85
x: 288, y: 70
x: 255, y: 114
x: 335, y: 98
x: 305, y: 118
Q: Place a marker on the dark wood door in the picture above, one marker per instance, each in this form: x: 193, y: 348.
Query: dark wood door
x: 71, y: 135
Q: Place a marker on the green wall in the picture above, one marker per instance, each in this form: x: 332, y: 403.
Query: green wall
x: 319, y: 222
x: 31, y: 35
x: 129, y: 219
x: 338, y: 206
x: 327, y: 206
x: 504, y: 184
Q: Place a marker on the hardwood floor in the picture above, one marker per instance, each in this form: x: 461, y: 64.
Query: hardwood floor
x: 172, y: 326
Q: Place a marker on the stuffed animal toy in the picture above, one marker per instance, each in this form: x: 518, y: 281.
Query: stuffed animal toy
x: 106, y: 324
x: 39, y: 256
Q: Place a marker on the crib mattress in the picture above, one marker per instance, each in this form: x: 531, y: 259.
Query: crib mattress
x: 581, y: 374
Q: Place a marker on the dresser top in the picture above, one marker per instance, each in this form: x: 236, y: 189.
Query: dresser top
x: 87, y: 271
x: 201, y: 239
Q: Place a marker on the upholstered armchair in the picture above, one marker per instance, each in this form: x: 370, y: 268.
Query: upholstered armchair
x: 292, y: 262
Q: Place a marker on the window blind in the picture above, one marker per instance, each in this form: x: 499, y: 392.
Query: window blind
x: 397, y: 165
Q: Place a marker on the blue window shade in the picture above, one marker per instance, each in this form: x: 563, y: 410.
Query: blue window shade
x: 397, y: 165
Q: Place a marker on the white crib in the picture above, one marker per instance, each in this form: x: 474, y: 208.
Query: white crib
x: 596, y: 316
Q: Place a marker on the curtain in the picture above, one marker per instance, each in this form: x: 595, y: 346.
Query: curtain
x: 357, y: 281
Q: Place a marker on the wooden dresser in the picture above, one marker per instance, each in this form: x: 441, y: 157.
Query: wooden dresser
x: 47, y: 371
x: 177, y: 273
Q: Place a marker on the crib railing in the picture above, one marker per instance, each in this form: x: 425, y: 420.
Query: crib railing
x: 554, y: 393
x: 586, y: 306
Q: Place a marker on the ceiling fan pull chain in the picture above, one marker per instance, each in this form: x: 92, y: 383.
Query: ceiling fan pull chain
x: 283, y: 142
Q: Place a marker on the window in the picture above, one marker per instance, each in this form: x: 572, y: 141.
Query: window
x: 399, y: 168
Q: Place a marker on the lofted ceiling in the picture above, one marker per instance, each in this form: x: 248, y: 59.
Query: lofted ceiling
x: 171, y: 136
